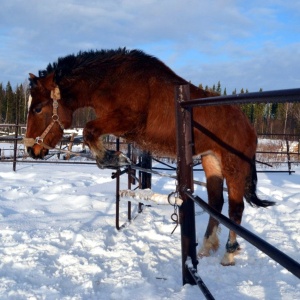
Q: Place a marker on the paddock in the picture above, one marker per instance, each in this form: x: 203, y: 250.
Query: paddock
x: 191, y: 266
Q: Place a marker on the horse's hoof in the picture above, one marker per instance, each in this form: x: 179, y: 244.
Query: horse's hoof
x: 203, y: 252
x: 228, y: 259
x: 113, y: 160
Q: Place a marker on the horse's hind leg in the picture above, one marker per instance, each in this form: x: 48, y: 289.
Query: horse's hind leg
x: 236, y: 208
x: 214, y: 183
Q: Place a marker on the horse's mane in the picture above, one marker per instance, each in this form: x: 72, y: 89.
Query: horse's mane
x: 97, y: 62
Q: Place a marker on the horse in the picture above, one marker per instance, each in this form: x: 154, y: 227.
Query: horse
x: 132, y: 94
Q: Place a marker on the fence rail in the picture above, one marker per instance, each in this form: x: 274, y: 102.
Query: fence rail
x: 285, y: 157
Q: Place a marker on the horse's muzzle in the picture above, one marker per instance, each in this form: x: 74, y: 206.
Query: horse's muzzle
x: 37, y: 152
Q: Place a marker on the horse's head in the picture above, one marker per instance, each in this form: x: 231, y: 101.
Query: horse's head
x: 47, y: 116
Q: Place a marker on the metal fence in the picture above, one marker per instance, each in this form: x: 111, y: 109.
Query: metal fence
x: 185, y: 181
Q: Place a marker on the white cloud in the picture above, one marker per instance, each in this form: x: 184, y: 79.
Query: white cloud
x: 197, y: 38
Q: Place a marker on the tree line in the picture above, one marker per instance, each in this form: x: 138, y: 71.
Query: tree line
x: 265, y: 117
x: 14, y: 105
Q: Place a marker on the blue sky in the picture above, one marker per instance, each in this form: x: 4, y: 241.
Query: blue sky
x: 243, y: 44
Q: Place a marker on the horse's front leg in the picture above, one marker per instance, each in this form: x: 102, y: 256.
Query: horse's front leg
x: 92, y: 135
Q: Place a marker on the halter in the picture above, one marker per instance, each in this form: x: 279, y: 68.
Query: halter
x: 29, y: 142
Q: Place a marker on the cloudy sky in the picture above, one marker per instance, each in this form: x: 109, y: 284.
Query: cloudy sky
x: 243, y: 44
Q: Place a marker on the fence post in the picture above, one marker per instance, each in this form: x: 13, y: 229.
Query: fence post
x: 146, y: 163
x: 288, y: 155
x: 117, y: 174
x: 15, y: 148
x: 184, y: 140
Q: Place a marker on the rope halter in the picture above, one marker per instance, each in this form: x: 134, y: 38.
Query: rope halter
x: 29, y: 142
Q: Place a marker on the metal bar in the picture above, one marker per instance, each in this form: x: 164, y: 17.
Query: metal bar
x: 118, y: 227
x: 163, y: 163
x: 16, y: 135
x: 268, y: 171
x: 184, y: 141
x: 288, y: 155
x: 145, y: 177
x: 289, y: 95
x: 15, y: 147
x: 49, y: 162
x: 280, y: 257
x: 206, y: 292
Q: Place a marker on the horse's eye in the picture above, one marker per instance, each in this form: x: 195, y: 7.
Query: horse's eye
x: 37, y: 110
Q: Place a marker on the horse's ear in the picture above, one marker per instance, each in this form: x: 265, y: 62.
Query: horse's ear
x: 48, y: 82
x: 33, y: 80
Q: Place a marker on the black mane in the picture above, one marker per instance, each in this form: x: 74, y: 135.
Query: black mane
x: 68, y: 66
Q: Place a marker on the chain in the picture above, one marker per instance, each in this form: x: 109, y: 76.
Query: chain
x: 175, y: 215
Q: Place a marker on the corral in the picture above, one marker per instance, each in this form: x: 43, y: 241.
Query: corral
x: 249, y: 266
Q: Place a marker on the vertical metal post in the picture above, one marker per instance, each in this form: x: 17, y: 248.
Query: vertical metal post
x: 184, y: 140
x: 15, y: 147
x: 288, y: 155
x: 144, y: 177
x: 118, y: 190
x: 129, y: 181
x: 16, y: 135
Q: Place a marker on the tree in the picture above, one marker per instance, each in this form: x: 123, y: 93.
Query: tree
x: 9, y: 104
x: 219, y: 90
x: 2, y: 95
x: 20, y: 101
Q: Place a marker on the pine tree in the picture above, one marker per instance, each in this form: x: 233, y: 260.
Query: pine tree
x: 20, y: 104
x: 219, y: 90
x: 8, y: 104
x: 2, y: 94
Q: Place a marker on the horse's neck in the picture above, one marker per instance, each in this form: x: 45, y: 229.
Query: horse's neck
x: 80, y: 99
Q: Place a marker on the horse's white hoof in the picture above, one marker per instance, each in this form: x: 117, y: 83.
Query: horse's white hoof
x: 228, y: 259
x: 203, y: 252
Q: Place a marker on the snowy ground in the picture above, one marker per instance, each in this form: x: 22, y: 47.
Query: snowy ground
x: 58, y: 240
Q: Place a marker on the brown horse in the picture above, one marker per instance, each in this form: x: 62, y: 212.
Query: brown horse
x: 133, y: 97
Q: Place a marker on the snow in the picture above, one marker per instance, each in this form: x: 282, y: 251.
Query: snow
x: 58, y: 239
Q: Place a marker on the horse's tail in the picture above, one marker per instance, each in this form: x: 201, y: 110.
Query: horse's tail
x: 250, y: 189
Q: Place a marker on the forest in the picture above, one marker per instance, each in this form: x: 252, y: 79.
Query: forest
x: 267, y: 118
